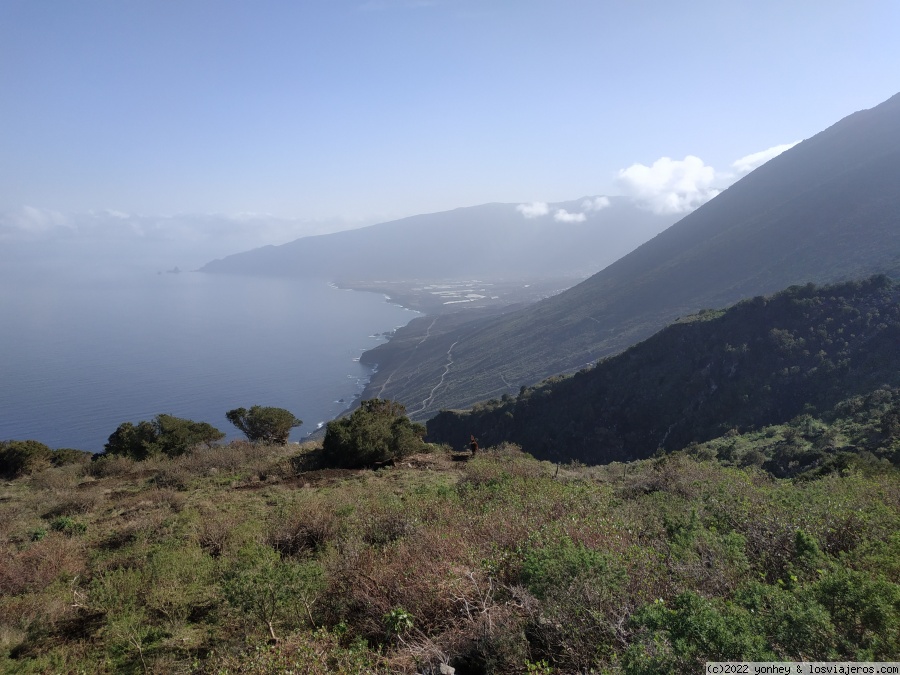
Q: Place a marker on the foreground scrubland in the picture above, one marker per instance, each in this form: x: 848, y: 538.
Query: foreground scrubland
x: 239, y: 559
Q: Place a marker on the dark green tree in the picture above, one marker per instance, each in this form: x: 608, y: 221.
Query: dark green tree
x: 176, y: 435
x: 264, y: 424
x: 166, y: 434
x: 135, y: 441
x: 377, y: 431
x: 18, y: 458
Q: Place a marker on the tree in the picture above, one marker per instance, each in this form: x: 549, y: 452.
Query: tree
x: 264, y: 424
x: 177, y: 435
x: 166, y: 434
x: 23, y: 457
x: 377, y: 431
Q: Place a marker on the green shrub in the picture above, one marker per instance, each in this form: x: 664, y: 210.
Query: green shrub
x: 270, y: 590
x: 166, y: 434
x: 377, y: 431
x: 865, y: 612
x: 18, y: 458
x: 553, y: 568
x: 64, y: 456
x: 67, y: 525
x: 798, y: 627
x: 680, y: 638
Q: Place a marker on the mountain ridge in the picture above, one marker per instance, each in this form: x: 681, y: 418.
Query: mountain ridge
x: 824, y: 211
x: 761, y: 362
x: 487, y: 241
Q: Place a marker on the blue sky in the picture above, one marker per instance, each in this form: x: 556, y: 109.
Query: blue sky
x: 341, y: 112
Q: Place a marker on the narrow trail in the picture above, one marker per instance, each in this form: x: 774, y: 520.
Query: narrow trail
x: 449, y: 363
x: 406, y: 360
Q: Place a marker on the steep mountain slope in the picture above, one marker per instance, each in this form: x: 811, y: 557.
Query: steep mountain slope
x: 826, y: 210
x: 490, y: 241
x: 762, y: 362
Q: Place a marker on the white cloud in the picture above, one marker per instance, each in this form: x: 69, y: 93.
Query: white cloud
x: 563, y: 216
x: 29, y: 221
x: 534, y: 209
x: 670, y: 185
x: 750, y: 162
x: 241, y: 230
x: 595, y: 204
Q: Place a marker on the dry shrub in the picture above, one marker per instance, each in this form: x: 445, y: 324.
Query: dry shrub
x: 60, y: 478
x: 416, y: 573
x: 305, y: 528
x: 10, y: 636
x: 172, y: 475
x: 71, y: 503
x: 165, y: 497
x: 586, y: 624
x: 677, y: 474
x: 383, y: 525
x: 41, y: 563
x: 502, y: 527
x: 485, y: 634
x: 769, y: 546
x: 320, y: 652
x: 111, y: 466
x: 238, y: 457
x: 45, y: 609
x: 217, y: 532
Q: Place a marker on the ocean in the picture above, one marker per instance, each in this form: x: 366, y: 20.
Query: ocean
x: 79, y: 355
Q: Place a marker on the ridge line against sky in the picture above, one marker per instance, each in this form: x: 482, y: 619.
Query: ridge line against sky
x: 339, y: 114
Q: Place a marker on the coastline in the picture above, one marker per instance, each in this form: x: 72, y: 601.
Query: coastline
x: 440, y: 307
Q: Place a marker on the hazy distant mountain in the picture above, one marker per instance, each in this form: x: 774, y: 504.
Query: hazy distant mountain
x: 826, y: 210
x: 491, y: 241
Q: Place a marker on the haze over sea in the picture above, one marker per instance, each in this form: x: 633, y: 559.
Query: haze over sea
x: 80, y: 353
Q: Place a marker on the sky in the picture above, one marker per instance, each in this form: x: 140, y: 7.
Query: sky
x: 259, y: 122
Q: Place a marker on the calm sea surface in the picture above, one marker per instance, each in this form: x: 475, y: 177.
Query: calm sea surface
x: 78, y: 356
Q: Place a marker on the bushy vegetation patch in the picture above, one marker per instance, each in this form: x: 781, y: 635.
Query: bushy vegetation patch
x: 502, y: 564
x: 165, y: 435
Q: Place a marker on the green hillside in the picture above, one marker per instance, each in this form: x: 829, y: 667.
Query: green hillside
x: 826, y: 210
x: 762, y: 362
x: 236, y: 559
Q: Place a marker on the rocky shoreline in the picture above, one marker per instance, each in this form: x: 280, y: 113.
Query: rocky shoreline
x: 447, y: 307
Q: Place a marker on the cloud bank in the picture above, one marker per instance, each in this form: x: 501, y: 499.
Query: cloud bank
x: 672, y: 186
x: 31, y: 237
x: 35, y: 224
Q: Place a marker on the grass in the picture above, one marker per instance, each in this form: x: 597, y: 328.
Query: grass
x: 236, y: 559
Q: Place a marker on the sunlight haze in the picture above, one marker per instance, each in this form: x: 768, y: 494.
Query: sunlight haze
x: 355, y: 112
